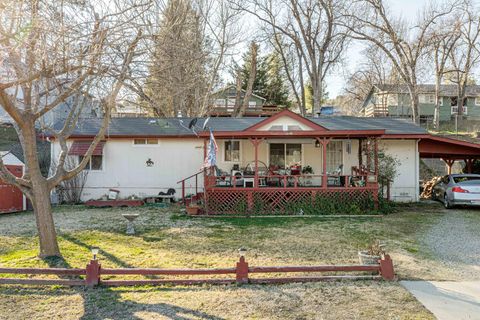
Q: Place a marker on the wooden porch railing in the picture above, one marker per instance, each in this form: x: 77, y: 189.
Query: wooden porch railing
x: 92, y: 274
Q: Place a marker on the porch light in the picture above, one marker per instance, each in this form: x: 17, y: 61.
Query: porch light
x: 95, y: 252
x: 317, y: 143
x: 242, y: 252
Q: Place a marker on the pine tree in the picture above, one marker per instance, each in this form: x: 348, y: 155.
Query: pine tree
x: 270, y: 81
x: 177, y: 80
x: 276, y: 91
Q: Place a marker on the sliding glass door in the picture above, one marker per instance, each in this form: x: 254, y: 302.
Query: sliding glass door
x: 285, y: 155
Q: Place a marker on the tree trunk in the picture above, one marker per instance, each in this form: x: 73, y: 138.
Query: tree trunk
x: 414, y: 104
x: 436, y: 115
x: 40, y: 194
x: 251, y: 80
x: 43, y: 216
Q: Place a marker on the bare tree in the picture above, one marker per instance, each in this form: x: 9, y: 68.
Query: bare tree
x: 310, y: 31
x: 375, y: 70
x: 465, y: 55
x: 442, y: 40
x: 404, y: 44
x: 49, y: 52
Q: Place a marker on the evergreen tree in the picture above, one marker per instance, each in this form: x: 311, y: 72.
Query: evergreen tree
x: 270, y: 82
x: 276, y: 91
x: 177, y: 80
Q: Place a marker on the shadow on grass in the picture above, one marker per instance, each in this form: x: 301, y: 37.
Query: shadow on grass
x: 108, y: 303
x: 104, y: 253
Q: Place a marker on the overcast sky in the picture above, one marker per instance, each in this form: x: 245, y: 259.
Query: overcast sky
x: 336, y: 81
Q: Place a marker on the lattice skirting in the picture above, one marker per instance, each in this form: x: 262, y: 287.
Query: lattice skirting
x: 290, y: 202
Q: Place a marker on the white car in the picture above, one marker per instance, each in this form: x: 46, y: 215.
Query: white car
x: 458, y: 189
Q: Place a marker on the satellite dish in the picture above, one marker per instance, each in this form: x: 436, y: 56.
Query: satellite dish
x: 192, y: 123
x: 205, y: 123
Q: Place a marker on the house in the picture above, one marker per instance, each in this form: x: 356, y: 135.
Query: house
x: 128, y: 109
x: 388, y: 100
x: 326, y: 111
x: 223, y: 104
x: 258, y: 157
x: 11, y: 198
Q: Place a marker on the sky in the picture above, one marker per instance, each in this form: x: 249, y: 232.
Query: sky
x: 353, y: 56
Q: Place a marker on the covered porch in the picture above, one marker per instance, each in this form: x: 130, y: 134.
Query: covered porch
x: 259, y: 172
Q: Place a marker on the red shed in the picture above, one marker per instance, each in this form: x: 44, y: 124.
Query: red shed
x: 11, y: 198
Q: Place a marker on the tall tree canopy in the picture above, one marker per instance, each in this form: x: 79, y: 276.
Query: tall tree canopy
x: 177, y: 80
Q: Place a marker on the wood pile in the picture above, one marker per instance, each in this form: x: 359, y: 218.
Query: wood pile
x: 428, y: 187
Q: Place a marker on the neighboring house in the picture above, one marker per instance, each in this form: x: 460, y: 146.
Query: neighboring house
x: 389, y: 100
x: 124, y: 109
x: 11, y: 198
x: 223, y: 103
x: 326, y: 111
x: 142, y: 157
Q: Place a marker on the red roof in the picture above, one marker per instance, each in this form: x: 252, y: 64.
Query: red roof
x: 80, y: 148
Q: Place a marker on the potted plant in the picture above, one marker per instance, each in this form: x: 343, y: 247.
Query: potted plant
x: 307, y: 170
x: 193, y: 208
x: 371, y: 256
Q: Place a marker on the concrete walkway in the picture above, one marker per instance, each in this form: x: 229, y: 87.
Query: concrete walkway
x: 448, y: 300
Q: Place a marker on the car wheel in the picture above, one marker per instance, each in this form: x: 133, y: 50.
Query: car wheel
x: 446, y: 203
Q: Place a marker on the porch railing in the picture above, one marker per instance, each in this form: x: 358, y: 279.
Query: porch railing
x: 287, y: 181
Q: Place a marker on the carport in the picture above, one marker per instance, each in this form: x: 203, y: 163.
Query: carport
x: 449, y: 150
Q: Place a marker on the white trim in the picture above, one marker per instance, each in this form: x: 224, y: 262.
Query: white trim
x: 143, y: 145
x: 224, y: 149
x: 477, y: 100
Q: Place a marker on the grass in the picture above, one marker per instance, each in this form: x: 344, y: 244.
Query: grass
x: 167, y: 239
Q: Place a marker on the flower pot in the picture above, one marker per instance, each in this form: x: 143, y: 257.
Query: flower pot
x: 193, y: 210
x: 366, y: 258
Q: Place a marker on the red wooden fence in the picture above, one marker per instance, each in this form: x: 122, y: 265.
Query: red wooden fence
x: 93, y: 272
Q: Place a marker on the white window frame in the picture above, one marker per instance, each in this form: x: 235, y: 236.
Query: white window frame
x: 252, y: 103
x: 392, y: 99
x: 477, y: 100
x: 225, y: 150
x: 88, y: 167
x: 302, y: 160
x: 220, y: 102
x: 285, y: 127
x: 146, y: 144
x: 342, y: 160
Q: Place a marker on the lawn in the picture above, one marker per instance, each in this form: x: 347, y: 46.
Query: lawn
x: 168, y: 239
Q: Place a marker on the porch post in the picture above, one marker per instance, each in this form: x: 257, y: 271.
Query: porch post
x: 369, y: 158
x: 375, y: 156
x: 324, y: 143
x: 360, y: 153
x: 256, y: 142
x: 449, y: 163
x: 469, y: 164
x: 204, y: 171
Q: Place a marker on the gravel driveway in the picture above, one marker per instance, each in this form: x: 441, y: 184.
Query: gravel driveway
x: 455, y: 241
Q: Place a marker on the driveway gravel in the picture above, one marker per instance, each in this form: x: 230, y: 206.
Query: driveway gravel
x: 455, y: 241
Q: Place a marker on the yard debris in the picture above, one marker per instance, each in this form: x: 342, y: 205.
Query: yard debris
x: 428, y: 187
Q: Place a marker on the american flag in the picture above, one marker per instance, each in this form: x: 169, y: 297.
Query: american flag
x: 211, y: 158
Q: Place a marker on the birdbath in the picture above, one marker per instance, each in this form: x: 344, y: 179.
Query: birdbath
x: 130, y: 218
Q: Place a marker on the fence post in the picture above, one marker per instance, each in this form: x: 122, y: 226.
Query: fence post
x: 242, y: 271
x: 386, y: 268
x: 93, y: 273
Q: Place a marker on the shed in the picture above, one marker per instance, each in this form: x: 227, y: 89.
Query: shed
x: 11, y: 198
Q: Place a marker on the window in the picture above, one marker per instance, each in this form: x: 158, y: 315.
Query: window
x: 427, y: 98
x: 145, y: 141
x: 95, y: 163
x: 285, y: 127
x: 232, y: 151
x: 252, y: 104
x: 477, y: 101
x: 393, y: 100
x: 220, y: 102
x: 285, y: 155
x: 334, y: 155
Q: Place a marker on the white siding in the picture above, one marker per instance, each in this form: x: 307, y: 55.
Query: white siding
x: 405, y: 186
x: 125, y: 167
